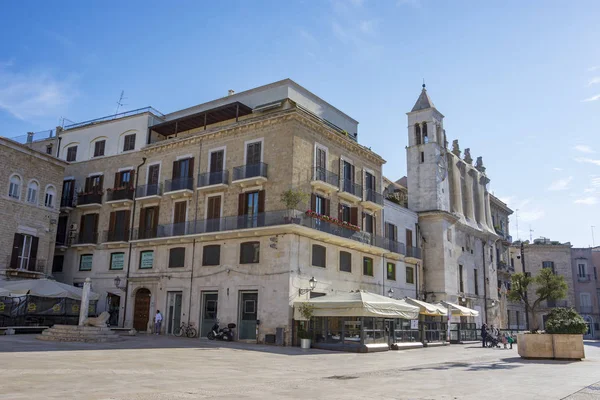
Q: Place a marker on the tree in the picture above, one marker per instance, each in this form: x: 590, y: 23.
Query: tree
x: 548, y: 286
x: 565, y: 321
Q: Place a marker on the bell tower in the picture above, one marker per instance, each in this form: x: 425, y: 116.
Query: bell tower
x: 427, y: 168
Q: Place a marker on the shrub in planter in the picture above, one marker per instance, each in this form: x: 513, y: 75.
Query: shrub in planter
x: 565, y: 321
x: 302, y: 334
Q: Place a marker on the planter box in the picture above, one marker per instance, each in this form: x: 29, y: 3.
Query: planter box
x: 550, y: 346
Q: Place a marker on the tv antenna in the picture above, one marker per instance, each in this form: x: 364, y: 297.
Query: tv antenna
x: 120, y: 102
x: 531, y: 234
x: 593, y: 244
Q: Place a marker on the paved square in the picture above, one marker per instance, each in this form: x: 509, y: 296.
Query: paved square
x: 151, y: 367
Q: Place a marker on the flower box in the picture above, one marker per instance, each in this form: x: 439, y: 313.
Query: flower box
x: 332, y: 220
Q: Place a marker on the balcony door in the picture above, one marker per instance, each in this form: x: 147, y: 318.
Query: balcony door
x: 251, y: 208
x: 409, y: 239
x: 213, y: 214
x: 179, y: 217
x: 118, y: 226
x: 321, y: 164
x: 217, y: 159
x: 369, y: 181
x: 93, y: 184
x: 253, y: 159
x: 152, y: 182
x: 183, y: 170
x: 67, y: 193
x: 88, y: 228
x: 148, y: 222
x: 348, y: 176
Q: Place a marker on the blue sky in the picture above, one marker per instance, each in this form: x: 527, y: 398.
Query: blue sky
x: 518, y: 82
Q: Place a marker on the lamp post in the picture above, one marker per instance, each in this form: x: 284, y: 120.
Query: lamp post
x: 312, y: 283
x: 390, y: 293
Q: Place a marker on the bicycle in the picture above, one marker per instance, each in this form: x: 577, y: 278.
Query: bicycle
x: 188, y: 329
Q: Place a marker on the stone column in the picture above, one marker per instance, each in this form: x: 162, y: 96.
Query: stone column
x: 488, y: 211
x: 470, y: 177
x: 456, y: 185
x: 85, y: 301
x: 481, y: 214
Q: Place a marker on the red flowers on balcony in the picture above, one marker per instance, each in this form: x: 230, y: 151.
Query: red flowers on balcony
x: 332, y: 220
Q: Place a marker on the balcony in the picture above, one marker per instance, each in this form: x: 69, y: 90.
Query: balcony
x: 586, y: 309
x: 27, y: 268
x: 373, y: 200
x: 213, y: 180
x: 250, y: 175
x: 504, y: 267
x: 270, y: 219
x: 351, y: 191
x: 413, y: 252
x: 67, y: 203
x: 119, y: 196
x: 325, y: 180
x: 181, y: 187
x: 62, y: 240
x: 85, y: 239
x: 584, y: 278
x: 149, y: 192
x: 116, y: 237
x: 89, y: 199
x: 556, y: 303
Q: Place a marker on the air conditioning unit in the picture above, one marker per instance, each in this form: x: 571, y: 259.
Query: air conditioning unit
x: 73, y: 227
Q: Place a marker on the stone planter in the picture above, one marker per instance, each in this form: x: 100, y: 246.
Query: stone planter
x: 550, y: 346
x: 305, y: 343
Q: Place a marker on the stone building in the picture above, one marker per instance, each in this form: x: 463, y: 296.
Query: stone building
x: 31, y: 184
x: 183, y: 213
x: 586, y: 289
x: 451, y: 199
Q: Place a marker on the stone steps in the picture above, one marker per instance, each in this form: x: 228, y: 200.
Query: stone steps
x: 74, y: 333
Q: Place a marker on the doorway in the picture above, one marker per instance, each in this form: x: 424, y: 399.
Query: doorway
x: 113, y: 305
x: 209, y: 312
x: 174, y: 301
x: 213, y: 214
x: 141, y: 310
x: 248, y: 315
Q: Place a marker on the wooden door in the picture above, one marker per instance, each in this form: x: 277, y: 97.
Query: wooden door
x: 253, y: 153
x: 179, y: 218
x: 213, y: 214
x: 141, y: 311
x: 216, y: 161
x: 409, y: 241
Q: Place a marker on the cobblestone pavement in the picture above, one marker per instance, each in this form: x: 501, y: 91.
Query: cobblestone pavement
x: 160, y: 368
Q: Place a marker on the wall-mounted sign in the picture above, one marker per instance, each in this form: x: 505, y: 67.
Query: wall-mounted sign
x: 117, y: 260
x: 146, y: 259
x: 414, y: 324
x: 85, y: 262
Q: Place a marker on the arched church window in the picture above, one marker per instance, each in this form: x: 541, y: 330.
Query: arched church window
x: 425, y: 138
x: 418, y: 133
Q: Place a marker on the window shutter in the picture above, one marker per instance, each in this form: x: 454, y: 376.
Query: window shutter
x: 354, y: 216
x: 341, y: 172
x: 88, y: 184
x: 261, y: 201
x: 374, y: 225
x: 340, y: 214
x: 395, y: 233
x: 96, y: 222
x: 17, y: 246
x: 191, y: 168
x: 313, y: 202
x: 155, y: 218
x: 117, y: 180
x: 141, y: 226
x: 175, y: 173
x: 241, y: 201
x: 100, y: 185
x: 33, y: 253
x: 327, y: 206
x: 131, y: 179
x: 82, y: 227
x: 111, y: 221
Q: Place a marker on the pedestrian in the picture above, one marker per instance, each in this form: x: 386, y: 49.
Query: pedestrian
x: 484, y: 334
x: 510, y: 339
x: 157, y: 322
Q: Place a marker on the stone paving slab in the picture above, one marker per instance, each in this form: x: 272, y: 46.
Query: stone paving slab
x: 160, y: 368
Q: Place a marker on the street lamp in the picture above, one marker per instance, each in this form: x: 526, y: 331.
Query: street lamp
x: 390, y: 293
x: 312, y: 283
x: 117, y: 281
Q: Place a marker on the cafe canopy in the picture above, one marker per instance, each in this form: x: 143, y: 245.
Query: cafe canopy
x: 432, y: 310
x: 43, y: 288
x: 457, y: 310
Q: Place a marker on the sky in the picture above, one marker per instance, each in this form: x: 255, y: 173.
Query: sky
x: 518, y: 82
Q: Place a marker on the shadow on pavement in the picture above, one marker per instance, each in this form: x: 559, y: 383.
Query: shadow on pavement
x: 484, y: 366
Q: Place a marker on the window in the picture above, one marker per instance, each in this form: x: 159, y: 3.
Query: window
x: 85, y: 262
x: 32, y: 191
x: 49, y: 149
x: 14, y: 189
x: 345, y: 261
x: 117, y: 260
x: 99, y: 148
x: 425, y: 138
x: 129, y: 142
x: 319, y: 254
x: 548, y: 264
x: 581, y: 270
x: 24, y: 252
x: 251, y: 206
x: 57, y: 263
x: 177, y: 257
x: 146, y: 259
x: 367, y: 266
x: 369, y: 224
x: 391, y: 271
x: 49, y: 198
x: 512, y: 262
x: 418, y: 133
x: 585, y: 302
x: 475, y: 281
x: 250, y: 253
x: 345, y: 213
x: 391, y: 231
x: 410, y: 275
x: 72, y: 153
x: 211, y: 255
x: 422, y: 157
x: 319, y: 204
x: 460, y: 279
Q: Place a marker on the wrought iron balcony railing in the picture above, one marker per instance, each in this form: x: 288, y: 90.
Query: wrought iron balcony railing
x: 67, y: 202
x: 250, y: 171
x: 213, y: 178
x: 115, y: 236
x: 323, y: 175
x: 149, y: 190
x: 349, y: 186
x: 413, y: 252
x: 119, y: 194
x: 86, y: 237
x: 374, y: 197
x: 173, y: 185
x: 89, y: 198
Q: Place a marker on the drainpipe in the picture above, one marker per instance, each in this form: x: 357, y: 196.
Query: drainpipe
x: 485, y: 282
x: 132, y: 219
x: 194, y: 243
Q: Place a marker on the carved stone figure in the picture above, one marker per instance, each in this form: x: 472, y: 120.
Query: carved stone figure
x: 99, y: 321
x: 479, y: 164
x: 468, y: 158
x: 455, y: 148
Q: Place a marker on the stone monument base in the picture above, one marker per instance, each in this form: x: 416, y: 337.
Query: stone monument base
x: 75, y: 333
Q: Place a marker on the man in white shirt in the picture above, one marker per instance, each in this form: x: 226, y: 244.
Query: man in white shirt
x: 157, y: 322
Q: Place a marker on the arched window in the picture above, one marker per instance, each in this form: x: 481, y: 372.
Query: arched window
x: 418, y: 133
x: 14, y: 189
x: 50, y: 196
x: 425, y: 138
x: 32, y: 192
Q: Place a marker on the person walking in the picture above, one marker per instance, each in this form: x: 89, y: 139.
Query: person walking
x: 484, y: 334
x: 157, y: 322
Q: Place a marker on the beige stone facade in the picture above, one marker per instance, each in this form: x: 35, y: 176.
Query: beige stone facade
x: 586, y: 288
x: 31, y: 184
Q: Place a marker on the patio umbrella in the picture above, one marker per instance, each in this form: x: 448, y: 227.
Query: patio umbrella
x: 45, y: 288
x: 434, y: 310
x: 460, y: 310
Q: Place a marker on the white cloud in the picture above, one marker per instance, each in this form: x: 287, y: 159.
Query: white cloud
x: 593, y: 98
x: 595, y: 182
x: 591, y: 69
x: 594, y: 80
x: 590, y: 201
x: 34, y: 93
x: 531, y: 215
x: 557, y: 169
x: 560, y: 184
x: 587, y: 160
x: 584, y: 148
x: 368, y: 27
x: 411, y: 3
x: 589, y: 190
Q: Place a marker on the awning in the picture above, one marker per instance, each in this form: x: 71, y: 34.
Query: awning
x: 359, y: 304
x: 425, y: 308
x: 45, y: 288
x: 460, y: 310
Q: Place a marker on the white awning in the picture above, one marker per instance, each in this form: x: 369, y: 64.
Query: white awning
x: 425, y: 308
x: 359, y: 304
x: 461, y: 310
x: 44, y: 288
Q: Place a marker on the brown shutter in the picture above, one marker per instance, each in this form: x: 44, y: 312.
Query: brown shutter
x: 327, y: 206
x: 191, y: 168
x: 96, y: 217
x: 261, y: 201
x: 111, y: 222
x: 127, y: 223
x: 155, y: 219
x: 340, y: 215
x: 17, y: 246
x: 354, y: 215
x: 88, y: 183
x: 175, y: 174
x: 100, y: 184
x: 141, y: 222
x: 81, y: 227
x: 313, y: 202
x: 131, y: 179
x: 241, y: 203
x: 33, y: 253
x: 117, y: 180
x: 395, y: 233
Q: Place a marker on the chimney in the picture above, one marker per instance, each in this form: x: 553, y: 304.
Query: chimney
x: 29, y: 137
x: 230, y: 92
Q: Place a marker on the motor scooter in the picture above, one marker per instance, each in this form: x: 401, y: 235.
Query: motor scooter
x: 225, y: 334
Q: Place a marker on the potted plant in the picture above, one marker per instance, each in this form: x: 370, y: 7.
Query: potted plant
x: 306, y: 310
x: 291, y: 198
